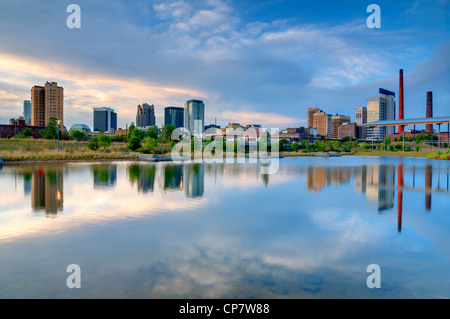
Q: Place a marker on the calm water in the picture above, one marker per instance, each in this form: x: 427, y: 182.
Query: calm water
x: 144, y: 230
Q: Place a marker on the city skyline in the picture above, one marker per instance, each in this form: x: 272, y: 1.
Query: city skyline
x: 307, y: 55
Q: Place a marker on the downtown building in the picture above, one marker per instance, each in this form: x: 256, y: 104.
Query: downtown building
x: 105, y: 119
x: 361, y: 118
x: 336, y: 121
x: 322, y: 122
x: 47, y: 101
x: 145, y: 115
x: 27, y: 111
x: 194, y: 117
x: 309, y: 115
x: 381, y: 108
x: 174, y: 116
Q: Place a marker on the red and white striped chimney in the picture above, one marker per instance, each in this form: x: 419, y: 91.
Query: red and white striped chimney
x: 400, y: 101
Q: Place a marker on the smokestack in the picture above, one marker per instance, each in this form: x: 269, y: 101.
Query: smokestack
x: 429, y: 127
x: 400, y: 101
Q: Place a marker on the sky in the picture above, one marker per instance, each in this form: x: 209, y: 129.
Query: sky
x: 253, y: 62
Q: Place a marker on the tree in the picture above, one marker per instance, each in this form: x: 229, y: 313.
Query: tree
x: 26, y: 133
x: 51, y: 130
x: 93, y: 144
x: 152, y: 132
x: 137, y: 133
x: 104, y: 141
x: 319, y: 145
x: 336, y: 144
x: 167, y: 133
x: 281, y: 144
x: 130, y: 130
x: 295, y: 146
x: 347, y: 146
x: 134, y: 143
x: 355, y: 143
x: 78, y: 135
x: 150, y: 144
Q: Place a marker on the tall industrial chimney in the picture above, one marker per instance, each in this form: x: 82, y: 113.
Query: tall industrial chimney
x: 429, y: 127
x: 400, y: 101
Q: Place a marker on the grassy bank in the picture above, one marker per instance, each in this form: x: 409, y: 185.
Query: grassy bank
x: 24, y: 150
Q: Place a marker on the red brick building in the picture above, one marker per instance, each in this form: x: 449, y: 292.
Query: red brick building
x: 17, y: 127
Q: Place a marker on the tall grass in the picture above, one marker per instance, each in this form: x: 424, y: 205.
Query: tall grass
x: 47, y: 150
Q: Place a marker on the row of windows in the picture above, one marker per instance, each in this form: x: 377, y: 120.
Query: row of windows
x: 11, y: 128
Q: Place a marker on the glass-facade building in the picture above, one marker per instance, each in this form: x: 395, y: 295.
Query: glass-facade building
x: 105, y: 119
x: 174, y: 116
x: 194, y: 117
x: 381, y: 108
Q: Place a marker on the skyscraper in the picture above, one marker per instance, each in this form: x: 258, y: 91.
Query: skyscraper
x: 361, y: 118
x: 145, y: 115
x: 381, y: 108
x: 27, y: 111
x: 310, y: 112
x: 174, y: 116
x: 194, y: 117
x: 105, y: 119
x: 322, y: 122
x: 336, y: 121
x: 47, y: 101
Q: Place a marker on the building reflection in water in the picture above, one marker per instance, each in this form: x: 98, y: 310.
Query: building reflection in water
x: 399, y: 197
x: 47, y: 189
x: 173, y: 177
x: 143, y: 176
x: 105, y: 175
x: 428, y: 183
x: 194, y: 180
x: 380, y: 186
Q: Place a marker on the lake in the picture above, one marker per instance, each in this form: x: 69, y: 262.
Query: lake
x: 160, y: 230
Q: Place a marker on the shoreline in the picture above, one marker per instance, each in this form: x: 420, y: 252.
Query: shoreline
x: 136, y: 159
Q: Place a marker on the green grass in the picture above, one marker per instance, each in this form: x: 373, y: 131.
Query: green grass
x: 21, y: 150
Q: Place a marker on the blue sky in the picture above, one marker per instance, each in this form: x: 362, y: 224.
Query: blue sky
x: 262, y: 62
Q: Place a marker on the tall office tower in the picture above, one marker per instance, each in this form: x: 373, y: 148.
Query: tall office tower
x: 381, y: 108
x: 46, y: 102
x: 27, y: 111
x: 194, y: 117
x: 310, y: 112
x: 105, y: 119
x: 174, y: 116
x: 145, y: 115
x: 429, y: 127
x: 322, y: 122
x: 336, y: 121
x: 361, y: 118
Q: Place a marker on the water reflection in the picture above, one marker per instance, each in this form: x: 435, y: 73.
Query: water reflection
x: 162, y: 230
x: 105, y: 175
x: 377, y: 182
x: 47, y: 189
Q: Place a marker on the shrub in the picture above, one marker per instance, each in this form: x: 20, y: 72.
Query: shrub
x: 93, y: 144
x: 134, y: 143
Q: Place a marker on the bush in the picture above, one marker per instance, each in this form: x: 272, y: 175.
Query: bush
x: 408, y: 148
x: 104, y: 141
x: 93, y: 144
x: 134, y: 143
x: 398, y: 147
